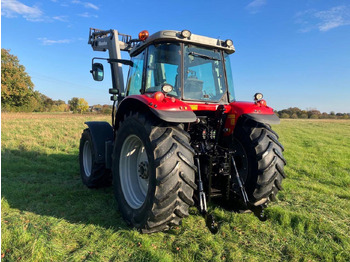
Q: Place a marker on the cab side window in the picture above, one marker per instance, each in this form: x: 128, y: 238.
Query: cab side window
x: 134, y: 83
x: 163, y: 66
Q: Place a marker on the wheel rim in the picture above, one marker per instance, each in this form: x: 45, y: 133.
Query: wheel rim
x: 133, y: 171
x: 87, y: 158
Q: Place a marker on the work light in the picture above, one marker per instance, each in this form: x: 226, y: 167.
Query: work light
x: 258, y: 96
x: 229, y: 43
x: 186, y: 33
x: 166, y: 88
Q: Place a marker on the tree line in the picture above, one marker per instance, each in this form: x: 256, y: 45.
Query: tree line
x: 295, y: 113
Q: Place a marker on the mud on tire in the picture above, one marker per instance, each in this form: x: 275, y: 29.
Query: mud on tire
x: 168, y: 159
x: 263, y: 168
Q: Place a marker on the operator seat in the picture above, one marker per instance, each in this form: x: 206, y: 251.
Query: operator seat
x: 193, y: 88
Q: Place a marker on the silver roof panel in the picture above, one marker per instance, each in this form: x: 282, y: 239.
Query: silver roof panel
x: 172, y: 35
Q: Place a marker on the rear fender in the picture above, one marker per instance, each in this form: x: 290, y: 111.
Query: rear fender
x: 101, y: 133
x: 258, y: 112
x: 168, y: 109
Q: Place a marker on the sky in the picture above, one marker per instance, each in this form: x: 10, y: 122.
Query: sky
x: 295, y: 52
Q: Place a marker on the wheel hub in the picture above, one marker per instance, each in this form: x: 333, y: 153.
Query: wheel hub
x: 143, y: 170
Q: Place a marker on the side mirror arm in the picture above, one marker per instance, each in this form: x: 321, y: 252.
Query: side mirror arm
x: 122, y: 61
x: 110, y: 60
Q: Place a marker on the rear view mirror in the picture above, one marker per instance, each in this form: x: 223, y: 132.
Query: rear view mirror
x: 97, y: 71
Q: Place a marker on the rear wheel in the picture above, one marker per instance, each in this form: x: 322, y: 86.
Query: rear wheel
x: 153, y: 173
x: 259, y: 160
x: 93, y: 173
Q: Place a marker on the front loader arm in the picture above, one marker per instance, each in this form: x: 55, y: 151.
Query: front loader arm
x: 101, y: 40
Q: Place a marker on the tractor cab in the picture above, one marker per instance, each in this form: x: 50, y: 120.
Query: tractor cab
x: 194, y: 72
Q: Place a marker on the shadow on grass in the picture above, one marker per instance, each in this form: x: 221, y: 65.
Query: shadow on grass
x: 50, y: 185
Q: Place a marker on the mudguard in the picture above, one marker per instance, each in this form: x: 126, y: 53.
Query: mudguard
x: 264, y: 118
x: 174, y: 116
x: 168, y: 109
x: 101, y: 132
x: 257, y: 111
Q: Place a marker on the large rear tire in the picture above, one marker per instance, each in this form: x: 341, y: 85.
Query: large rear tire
x: 259, y: 160
x: 93, y: 173
x: 153, y: 173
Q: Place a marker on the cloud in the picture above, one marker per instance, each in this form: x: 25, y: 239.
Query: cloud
x: 86, y: 4
x: 255, y: 6
x: 12, y: 8
x: 46, y: 41
x: 335, y: 17
x: 62, y: 18
x: 323, y: 20
x: 88, y: 15
x: 90, y: 5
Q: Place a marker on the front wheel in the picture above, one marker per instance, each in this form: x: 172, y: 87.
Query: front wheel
x: 93, y: 173
x: 153, y: 173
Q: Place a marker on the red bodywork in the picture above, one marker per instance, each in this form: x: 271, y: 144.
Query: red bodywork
x: 158, y: 101
x: 240, y: 108
x: 233, y: 110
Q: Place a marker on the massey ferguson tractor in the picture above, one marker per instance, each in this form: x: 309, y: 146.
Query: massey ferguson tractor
x: 178, y: 136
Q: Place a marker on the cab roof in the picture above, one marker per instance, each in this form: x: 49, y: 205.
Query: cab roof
x: 176, y: 36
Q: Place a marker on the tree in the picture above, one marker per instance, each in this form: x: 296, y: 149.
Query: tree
x: 16, y: 85
x: 83, y: 106
x: 294, y: 116
x: 60, y: 108
x: 284, y: 115
x: 73, y: 104
x: 48, y: 104
x: 313, y: 112
x: 324, y: 115
x: 106, y: 109
x: 59, y: 102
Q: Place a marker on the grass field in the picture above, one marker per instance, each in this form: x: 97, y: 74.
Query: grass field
x: 48, y: 215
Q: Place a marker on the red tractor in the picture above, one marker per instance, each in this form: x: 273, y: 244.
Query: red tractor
x: 178, y: 136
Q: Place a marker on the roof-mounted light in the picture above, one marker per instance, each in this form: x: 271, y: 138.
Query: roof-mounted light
x: 143, y: 35
x: 186, y: 33
x: 228, y: 43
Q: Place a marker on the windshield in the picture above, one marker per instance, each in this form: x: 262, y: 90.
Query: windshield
x: 203, y: 72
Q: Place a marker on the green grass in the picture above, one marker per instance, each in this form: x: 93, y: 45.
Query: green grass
x: 48, y: 215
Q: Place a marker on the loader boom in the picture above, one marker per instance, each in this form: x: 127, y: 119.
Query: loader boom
x: 103, y: 40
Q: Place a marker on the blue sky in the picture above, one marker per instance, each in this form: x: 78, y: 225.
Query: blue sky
x: 296, y: 52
